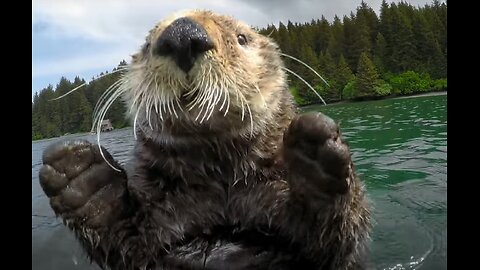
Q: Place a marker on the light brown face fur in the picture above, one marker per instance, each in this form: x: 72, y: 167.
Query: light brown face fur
x: 231, y: 88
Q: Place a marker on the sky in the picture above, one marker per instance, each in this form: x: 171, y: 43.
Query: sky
x: 86, y: 37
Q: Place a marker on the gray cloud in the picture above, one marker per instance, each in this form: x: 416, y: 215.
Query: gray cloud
x: 111, y: 20
x: 305, y: 10
x: 123, y: 24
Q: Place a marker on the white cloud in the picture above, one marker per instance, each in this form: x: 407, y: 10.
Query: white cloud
x: 120, y: 20
x: 77, y: 64
x: 116, y: 21
x: 118, y: 24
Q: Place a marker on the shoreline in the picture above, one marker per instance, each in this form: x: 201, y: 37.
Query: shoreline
x: 433, y: 93
x: 428, y: 94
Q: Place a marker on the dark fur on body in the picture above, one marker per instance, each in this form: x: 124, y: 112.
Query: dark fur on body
x: 197, y: 197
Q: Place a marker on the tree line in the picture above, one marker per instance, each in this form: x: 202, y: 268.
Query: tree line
x: 401, y: 51
x: 74, y: 112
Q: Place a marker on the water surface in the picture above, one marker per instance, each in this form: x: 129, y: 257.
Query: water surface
x: 399, y: 147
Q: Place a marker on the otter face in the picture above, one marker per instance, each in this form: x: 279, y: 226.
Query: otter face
x: 206, y: 72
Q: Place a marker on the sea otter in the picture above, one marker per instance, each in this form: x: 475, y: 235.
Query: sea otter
x: 226, y: 174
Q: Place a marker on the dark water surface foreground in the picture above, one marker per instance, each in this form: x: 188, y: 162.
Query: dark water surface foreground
x: 399, y: 147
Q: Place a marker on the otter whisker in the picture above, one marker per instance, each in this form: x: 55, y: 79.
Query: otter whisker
x: 138, y: 93
x: 204, y: 77
x: 251, y: 121
x: 175, y: 99
x: 207, y: 92
x: 196, y: 88
x: 202, y: 105
x: 168, y: 106
x: 210, y: 99
x: 158, y: 107
x: 243, y: 106
x: 178, y: 103
x: 215, y: 102
x: 204, y: 114
x: 164, y: 105
x: 303, y: 63
x: 148, y: 102
x: 244, y: 101
x: 204, y: 87
x: 260, y: 93
x: 156, y: 91
x: 218, y: 95
x: 271, y: 32
x: 228, y: 103
x: 148, y: 108
x: 98, y: 113
x: 212, y: 104
x: 298, y: 76
x: 197, y: 98
x: 69, y: 92
x: 202, y: 99
x: 85, y: 83
x: 161, y: 104
x: 201, y: 108
x: 109, y: 90
x: 173, y: 107
x: 135, y: 124
x: 224, y: 99
x: 191, y: 92
x: 103, y: 112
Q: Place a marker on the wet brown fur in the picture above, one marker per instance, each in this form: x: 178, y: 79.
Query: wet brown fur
x: 279, y: 192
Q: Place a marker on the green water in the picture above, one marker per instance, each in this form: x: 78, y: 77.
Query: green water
x: 400, y: 149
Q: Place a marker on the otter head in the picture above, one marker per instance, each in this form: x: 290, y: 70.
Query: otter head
x: 202, y: 73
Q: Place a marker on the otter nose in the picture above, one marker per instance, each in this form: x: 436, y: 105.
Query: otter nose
x: 183, y: 40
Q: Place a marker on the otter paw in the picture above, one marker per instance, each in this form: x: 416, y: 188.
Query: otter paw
x: 78, y: 181
x: 318, y: 160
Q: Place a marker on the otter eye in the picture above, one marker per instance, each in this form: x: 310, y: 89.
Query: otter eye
x: 242, y: 40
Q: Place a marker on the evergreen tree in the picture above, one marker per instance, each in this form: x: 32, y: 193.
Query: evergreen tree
x: 284, y: 38
x: 329, y: 69
x: 335, y: 43
x: 323, y: 35
x: 366, y: 13
x: 404, y: 52
x: 424, y: 41
x: 438, y: 63
x: 367, y: 76
x: 380, y: 53
x: 349, y: 42
x: 345, y: 75
x: 306, y: 53
x: 362, y: 38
